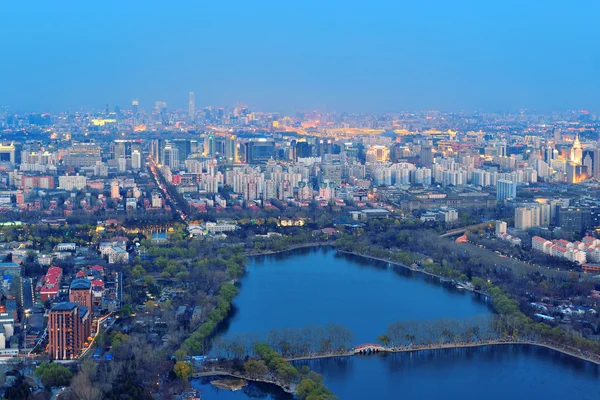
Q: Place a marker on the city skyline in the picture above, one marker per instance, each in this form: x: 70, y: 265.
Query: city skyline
x: 272, y: 56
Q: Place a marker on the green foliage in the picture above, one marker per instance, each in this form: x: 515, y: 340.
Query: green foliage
x: 383, y: 339
x: 126, y: 311
x: 256, y: 368
x: 183, y: 370
x: 53, y: 374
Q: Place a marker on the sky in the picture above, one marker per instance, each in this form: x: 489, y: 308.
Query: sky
x: 287, y: 56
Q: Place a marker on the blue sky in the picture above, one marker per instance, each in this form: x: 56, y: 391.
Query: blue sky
x: 373, y: 56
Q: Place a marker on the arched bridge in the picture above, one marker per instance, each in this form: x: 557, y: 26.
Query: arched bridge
x: 368, y: 348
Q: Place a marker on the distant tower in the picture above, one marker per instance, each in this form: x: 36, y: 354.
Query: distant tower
x: 596, y: 163
x: 556, y: 134
x: 191, y: 107
x: 576, y: 152
x: 135, y: 108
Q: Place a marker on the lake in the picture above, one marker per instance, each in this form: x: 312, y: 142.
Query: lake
x: 320, y: 286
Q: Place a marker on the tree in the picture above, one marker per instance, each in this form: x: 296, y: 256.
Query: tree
x: 256, y: 368
x: 183, y: 370
x: 384, y: 339
x: 126, y: 311
x: 84, y: 389
x: 53, y: 374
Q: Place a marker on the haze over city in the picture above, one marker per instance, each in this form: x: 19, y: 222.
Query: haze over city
x: 288, y: 56
x: 299, y: 200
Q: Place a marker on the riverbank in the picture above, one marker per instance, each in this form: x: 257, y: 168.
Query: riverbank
x: 447, y: 346
x: 399, y: 264
x: 294, y: 247
x: 218, y: 372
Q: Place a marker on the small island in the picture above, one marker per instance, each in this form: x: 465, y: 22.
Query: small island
x: 229, y: 384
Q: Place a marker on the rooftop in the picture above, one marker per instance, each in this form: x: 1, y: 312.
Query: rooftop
x: 81, y: 284
x: 64, y: 306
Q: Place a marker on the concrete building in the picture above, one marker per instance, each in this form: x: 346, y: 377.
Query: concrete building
x: 506, y: 189
x: 72, y: 182
x: 500, y: 227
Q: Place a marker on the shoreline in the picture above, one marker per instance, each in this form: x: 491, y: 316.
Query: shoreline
x: 291, y: 248
x: 443, y: 346
x: 419, y: 270
x: 197, y: 375
x: 449, y: 346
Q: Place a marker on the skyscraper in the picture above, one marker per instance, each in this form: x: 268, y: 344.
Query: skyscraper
x: 506, y: 189
x: 191, y: 107
x: 596, y: 163
x: 136, y: 159
x: 426, y: 155
x: 231, y: 151
x: 576, y: 152
x: 135, y: 108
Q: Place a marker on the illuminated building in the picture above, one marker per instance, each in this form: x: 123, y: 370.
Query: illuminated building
x: 7, y: 153
x: 66, y: 329
x: 377, y: 154
x: 576, y: 152
x: 231, y: 150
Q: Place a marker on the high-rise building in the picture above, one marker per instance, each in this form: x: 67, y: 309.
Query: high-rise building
x: 596, y: 164
x: 549, y: 154
x: 65, y: 330
x: 136, y: 159
x: 8, y: 152
x: 571, y: 172
x: 184, y: 148
x: 231, y: 149
x: 556, y: 134
x: 80, y: 292
x: 426, y: 155
x: 122, y: 164
x: 170, y: 156
x: 210, y: 145
x: 588, y: 164
x: 191, y: 107
x: 576, y: 152
x: 114, y: 190
x: 73, y: 182
x: 135, y: 108
x: 260, y: 151
x: 500, y: 227
x: 506, y: 189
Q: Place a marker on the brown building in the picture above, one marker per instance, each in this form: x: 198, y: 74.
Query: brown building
x: 65, y: 331
x: 81, y: 294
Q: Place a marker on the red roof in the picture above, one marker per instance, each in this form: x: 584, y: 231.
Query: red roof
x: 98, y: 268
x: 80, y: 274
x: 97, y: 282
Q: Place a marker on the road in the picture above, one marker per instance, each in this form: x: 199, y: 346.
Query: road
x: 28, y: 299
x: 460, y: 231
x: 165, y: 192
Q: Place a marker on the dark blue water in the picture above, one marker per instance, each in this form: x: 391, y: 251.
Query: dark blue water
x: 490, y: 373
x: 252, y: 390
x: 320, y: 286
x: 508, y: 372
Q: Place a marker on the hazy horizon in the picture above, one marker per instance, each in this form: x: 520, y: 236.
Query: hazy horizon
x: 285, y: 57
